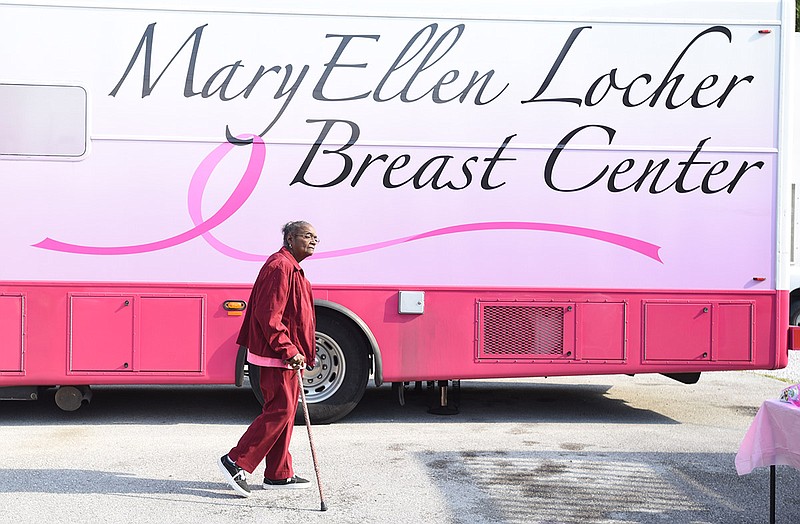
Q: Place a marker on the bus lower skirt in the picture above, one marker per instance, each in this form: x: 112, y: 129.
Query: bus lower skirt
x: 19, y: 393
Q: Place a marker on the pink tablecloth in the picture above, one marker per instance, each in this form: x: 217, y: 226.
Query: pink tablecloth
x: 773, y: 438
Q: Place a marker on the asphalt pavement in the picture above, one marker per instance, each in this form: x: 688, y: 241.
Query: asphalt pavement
x: 602, y: 449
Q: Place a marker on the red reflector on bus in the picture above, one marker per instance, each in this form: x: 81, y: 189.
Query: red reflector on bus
x: 764, y: 31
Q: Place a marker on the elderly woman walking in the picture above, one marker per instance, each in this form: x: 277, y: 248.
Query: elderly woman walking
x: 278, y: 332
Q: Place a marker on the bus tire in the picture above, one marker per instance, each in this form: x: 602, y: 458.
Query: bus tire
x: 336, y: 384
x: 794, y: 313
x: 254, y: 376
x: 239, y: 368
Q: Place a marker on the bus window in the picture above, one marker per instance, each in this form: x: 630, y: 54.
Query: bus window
x: 42, y: 121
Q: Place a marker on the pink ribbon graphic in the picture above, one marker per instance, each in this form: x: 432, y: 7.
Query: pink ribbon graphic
x: 198, y: 183
x: 248, y: 183
x: 645, y: 248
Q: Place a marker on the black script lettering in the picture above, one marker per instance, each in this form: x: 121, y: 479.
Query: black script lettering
x: 334, y: 63
x: 435, y: 179
x: 398, y: 163
x: 207, y: 92
x: 611, y: 79
x: 603, y: 85
x: 653, y: 172
x: 687, y: 164
x: 355, y: 132
x: 417, y: 179
x: 551, y: 160
x: 746, y: 166
x: 368, y: 161
x: 554, y: 69
x: 227, y: 72
x: 147, y: 42
x: 433, y: 172
x: 408, y: 55
x: 281, y: 92
x: 676, y: 80
x: 491, y: 163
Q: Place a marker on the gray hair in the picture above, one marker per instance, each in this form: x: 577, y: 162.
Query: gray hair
x: 292, y: 228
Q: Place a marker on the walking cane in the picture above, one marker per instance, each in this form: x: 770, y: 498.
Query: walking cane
x: 322, y: 505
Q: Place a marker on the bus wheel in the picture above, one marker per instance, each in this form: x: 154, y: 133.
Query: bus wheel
x: 70, y: 398
x: 336, y: 384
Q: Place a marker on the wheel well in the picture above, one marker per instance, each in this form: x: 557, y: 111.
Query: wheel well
x: 324, y: 307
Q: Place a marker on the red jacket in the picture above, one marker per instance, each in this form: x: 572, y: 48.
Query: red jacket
x: 279, y: 321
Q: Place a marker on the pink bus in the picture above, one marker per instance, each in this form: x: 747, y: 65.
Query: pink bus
x: 502, y: 189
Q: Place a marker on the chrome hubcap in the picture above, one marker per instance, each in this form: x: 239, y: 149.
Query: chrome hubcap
x: 325, y: 379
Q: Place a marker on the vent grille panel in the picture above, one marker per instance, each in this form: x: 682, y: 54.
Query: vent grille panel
x: 514, y: 331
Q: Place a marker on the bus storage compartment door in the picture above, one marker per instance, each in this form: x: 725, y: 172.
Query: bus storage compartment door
x: 171, y: 333
x: 704, y: 331
x: 601, y: 331
x: 734, y: 331
x: 101, y: 333
x: 11, y: 332
x: 677, y: 331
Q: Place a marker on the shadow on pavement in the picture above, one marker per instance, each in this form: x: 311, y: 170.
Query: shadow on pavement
x: 480, y: 401
x: 489, y: 401
x: 89, y: 482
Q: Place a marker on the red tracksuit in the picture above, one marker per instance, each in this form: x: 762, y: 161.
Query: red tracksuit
x: 279, y: 323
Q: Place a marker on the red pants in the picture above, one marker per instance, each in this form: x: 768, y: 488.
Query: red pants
x: 270, y: 433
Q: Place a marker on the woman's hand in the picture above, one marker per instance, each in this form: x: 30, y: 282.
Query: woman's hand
x: 298, y: 361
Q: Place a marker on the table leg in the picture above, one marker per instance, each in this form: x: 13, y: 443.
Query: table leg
x: 772, y: 494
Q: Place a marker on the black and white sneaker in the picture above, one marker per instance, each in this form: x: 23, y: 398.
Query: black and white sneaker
x: 290, y: 483
x: 234, y: 475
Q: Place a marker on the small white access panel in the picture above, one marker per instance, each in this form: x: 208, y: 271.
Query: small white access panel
x: 412, y: 302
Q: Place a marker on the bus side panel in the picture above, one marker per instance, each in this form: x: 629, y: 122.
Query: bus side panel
x: 118, y: 334
x: 491, y: 334
x: 157, y: 334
